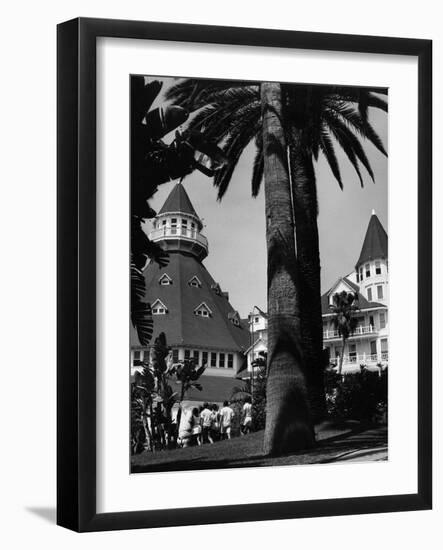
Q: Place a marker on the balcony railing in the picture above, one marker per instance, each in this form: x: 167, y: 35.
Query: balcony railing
x: 359, y: 331
x: 174, y: 232
x: 362, y: 358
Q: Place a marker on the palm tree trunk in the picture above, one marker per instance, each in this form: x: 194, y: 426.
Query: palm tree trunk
x: 340, y: 366
x: 304, y: 197
x: 288, y: 419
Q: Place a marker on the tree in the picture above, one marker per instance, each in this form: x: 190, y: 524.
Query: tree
x: 344, y: 308
x: 153, y: 162
x: 313, y: 117
x: 288, y: 421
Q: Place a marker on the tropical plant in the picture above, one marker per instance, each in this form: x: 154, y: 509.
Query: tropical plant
x: 288, y: 421
x: 344, y: 307
x: 153, y: 397
x: 256, y: 390
x: 187, y: 373
x: 142, y: 394
x: 361, y: 396
x: 230, y: 112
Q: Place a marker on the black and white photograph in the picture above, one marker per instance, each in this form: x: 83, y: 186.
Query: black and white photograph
x: 259, y: 274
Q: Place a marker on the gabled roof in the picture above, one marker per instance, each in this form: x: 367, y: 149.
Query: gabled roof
x: 375, y: 245
x: 362, y: 302
x: 352, y: 286
x: 178, y: 201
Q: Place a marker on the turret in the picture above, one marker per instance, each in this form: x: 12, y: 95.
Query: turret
x: 178, y: 227
x: 372, y: 265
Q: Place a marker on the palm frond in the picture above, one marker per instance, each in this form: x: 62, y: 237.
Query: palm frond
x: 352, y: 117
x: 258, y: 167
x: 141, y: 314
x: 328, y: 150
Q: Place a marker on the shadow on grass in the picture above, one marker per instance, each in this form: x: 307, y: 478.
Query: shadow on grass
x: 246, y: 452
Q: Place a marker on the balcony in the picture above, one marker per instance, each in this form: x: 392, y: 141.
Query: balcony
x: 178, y: 232
x: 362, y: 359
x: 359, y: 331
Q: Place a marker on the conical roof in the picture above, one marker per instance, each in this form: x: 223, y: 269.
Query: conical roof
x: 178, y: 201
x: 375, y: 245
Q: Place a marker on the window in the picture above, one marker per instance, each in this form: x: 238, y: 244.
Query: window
x: 202, y: 310
x: 380, y: 292
x: 197, y: 357
x: 352, y: 353
x: 165, y: 280
x: 213, y: 359
x: 221, y: 362
x: 195, y: 282
x: 204, y: 358
x: 137, y: 355
x: 382, y: 320
x: 173, y: 226
x: 230, y: 361
x: 159, y: 308
x: 361, y: 274
x: 367, y: 270
x: 358, y: 280
x: 377, y: 268
x: 175, y: 355
x: 187, y: 354
x: 370, y: 294
x: 256, y: 320
x: 373, y: 345
x: 384, y: 349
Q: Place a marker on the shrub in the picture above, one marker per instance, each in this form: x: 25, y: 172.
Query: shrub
x: 361, y: 396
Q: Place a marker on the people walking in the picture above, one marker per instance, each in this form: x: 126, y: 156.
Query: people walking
x: 215, y: 423
x: 247, y: 416
x: 226, y: 415
x: 206, y: 421
x: 196, y: 428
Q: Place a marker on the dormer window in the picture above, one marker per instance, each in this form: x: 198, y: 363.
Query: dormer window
x: 203, y: 310
x: 195, y: 282
x: 234, y: 318
x: 367, y: 270
x: 165, y: 280
x: 377, y: 268
x: 159, y: 308
x: 216, y: 288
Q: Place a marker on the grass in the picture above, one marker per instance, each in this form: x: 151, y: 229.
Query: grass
x: 334, y: 442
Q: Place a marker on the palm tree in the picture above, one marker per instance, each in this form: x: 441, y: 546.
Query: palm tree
x: 344, y: 307
x: 313, y: 116
x: 288, y: 421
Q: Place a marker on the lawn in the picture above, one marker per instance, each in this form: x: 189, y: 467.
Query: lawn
x: 334, y: 443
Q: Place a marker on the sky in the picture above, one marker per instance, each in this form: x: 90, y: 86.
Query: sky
x: 235, y: 227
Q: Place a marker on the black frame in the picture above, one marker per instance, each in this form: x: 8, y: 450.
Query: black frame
x: 76, y: 296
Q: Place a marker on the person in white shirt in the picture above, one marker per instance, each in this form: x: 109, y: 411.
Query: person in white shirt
x: 206, y: 421
x: 226, y: 416
x: 247, y: 416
